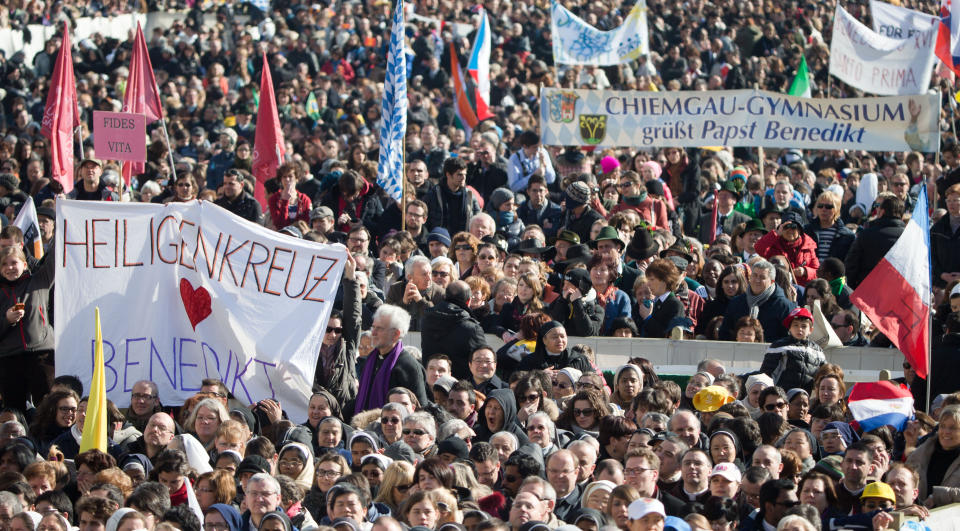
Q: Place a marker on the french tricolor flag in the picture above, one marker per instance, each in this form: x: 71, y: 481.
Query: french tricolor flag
x: 875, y: 404
x: 896, y: 294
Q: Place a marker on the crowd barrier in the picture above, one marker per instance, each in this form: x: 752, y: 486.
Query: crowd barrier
x: 680, y: 357
x: 946, y: 518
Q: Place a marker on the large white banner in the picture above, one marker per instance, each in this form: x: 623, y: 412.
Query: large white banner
x: 737, y: 118
x: 577, y: 43
x: 877, y: 64
x: 188, y: 291
x: 899, y: 22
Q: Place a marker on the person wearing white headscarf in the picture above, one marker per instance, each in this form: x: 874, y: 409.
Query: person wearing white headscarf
x: 296, y: 461
x: 627, y: 383
x: 197, y: 455
x: 755, y: 383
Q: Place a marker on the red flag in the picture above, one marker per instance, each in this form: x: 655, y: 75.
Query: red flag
x: 142, y: 95
x: 268, y: 146
x: 61, y: 116
x: 714, y: 216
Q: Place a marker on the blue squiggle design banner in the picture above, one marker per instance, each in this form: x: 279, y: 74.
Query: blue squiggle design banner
x: 577, y: 43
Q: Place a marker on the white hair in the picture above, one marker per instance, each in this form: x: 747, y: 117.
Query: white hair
x: 441, y: 260
x: 452, y: 427
x: 396, y: 317
x: 551, y: 427
x: 763, y: 265
x: 794, y: 519
x: 508, y: 435
x: 263, y: 477
x: 396, y: 407
x: 483, y: 216
x: 424, y: 420
x: 412, y: 264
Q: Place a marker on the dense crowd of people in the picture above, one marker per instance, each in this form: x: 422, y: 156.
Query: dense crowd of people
x: 497, y: 235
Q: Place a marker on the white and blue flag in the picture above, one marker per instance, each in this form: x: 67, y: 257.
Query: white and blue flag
x: 393, y: 122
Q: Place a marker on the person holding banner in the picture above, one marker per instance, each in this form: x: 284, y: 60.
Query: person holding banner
x: 336, y: 366
x: 27, y: 340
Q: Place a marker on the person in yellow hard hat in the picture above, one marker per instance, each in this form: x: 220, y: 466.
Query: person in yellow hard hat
x: 877, y: 495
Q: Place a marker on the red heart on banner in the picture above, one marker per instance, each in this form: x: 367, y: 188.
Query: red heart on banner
x: 195, y: 301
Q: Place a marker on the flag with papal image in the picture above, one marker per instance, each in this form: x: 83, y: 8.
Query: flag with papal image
x: 393, y: 125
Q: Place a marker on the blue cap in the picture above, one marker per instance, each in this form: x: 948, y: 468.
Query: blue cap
x: 439, y: 234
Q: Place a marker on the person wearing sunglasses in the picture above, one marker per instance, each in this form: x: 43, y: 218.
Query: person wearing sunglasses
x: 829, y: 234
x: 420, y: 433
x: 396, y: 483
x: 336, y: 370
x: 584, y: 412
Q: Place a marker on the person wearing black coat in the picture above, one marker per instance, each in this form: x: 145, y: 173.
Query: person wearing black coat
x: 874, y: 241
x: 448, y: 328
x: 577, y: 308
x: 508, y: 405
x: 945, y: 243
x: 768, y: 301
x: 655, y: 321
x: 551, y: 352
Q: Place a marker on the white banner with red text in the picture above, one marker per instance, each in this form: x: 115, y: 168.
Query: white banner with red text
x: 188, y: 291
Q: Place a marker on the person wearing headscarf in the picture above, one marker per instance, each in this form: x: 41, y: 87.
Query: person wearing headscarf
x: 627, y: 383
x: 323, y: 404
x: 138, y: 464
x: 296, y: 461
x: 597, y: 490
x: 197, y: 455
x: 275, y: 516
x: 490, y: 420
x: 227, y: 513
x: 755, y: 383
x: 114, y: 521
x: 551, y: 351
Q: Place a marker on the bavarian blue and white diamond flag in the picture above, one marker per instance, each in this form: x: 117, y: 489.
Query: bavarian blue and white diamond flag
x: 393, y: 125
x: 577, y: 43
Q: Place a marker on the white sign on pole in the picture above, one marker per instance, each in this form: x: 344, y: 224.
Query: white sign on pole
x: 575, y: 42
x: 189, y: 291
x: 878, y: 64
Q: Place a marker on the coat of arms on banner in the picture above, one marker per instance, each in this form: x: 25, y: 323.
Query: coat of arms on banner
x: 563, y: 106
x: 593, y: 127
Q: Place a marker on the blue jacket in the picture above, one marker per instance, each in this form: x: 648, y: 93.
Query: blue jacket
x: 771, y: 315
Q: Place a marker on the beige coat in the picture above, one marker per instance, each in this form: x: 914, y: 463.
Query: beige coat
x: 920, y: 460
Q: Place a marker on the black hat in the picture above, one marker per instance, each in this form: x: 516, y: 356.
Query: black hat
x: 655, y: 187
x: 454, y: 446
x: 578, y: 254
x: 771, y: 208
x: 572, y: 156
x: 255, y: 464
x: 791, y: 217
x: 678, y: 249
x: 642, y: 245
x: 47, y: 212
x: 529, y: 246
x: 580, y: 278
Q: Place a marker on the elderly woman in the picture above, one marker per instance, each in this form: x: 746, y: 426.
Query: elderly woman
x: 543, y: 432
x: 442, y: 271
x: 204, y: 420
x: 657, y: 319
x: 830, y: 236
x: 499, y: 413
x: 564, y: 383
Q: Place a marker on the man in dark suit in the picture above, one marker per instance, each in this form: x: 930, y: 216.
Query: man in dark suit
x: 562, y: 475
x: 640, y: 470
x: 875, y: 240
x: 727, y: 217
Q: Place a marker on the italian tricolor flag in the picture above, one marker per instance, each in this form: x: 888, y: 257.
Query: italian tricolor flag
x: 801, y: 83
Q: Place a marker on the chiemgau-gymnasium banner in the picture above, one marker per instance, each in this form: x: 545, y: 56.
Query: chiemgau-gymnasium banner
x: 734, y: 118
x: 189, y: 291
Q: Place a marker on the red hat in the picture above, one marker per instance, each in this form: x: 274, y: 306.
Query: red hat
x: 800, y: 312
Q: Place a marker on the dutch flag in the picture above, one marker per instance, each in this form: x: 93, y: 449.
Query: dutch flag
x: 875, y: 404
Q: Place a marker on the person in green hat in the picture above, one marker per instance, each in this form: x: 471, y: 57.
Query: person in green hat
x: 727, y: 217
x: 746, y: 241
x: 609, y: 245
x: 565, y: 240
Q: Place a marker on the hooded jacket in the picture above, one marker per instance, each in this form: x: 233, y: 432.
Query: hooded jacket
x: 449, y: 328
x: 229, y: 514
x: 33, y: 333
x: 541, y: 359
x: 510, y: 423
x: 801, y: 252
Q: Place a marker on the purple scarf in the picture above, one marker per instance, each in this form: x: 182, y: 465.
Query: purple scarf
x: 373, y: 389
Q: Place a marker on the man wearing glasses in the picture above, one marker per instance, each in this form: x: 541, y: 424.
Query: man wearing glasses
x: 144, y: 402
x: 157, y: 434
x: 261, y: 497
x: 420, y: 433
x: 640, y: 471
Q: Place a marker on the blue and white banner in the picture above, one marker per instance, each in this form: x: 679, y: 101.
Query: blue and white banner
x: 393, y: 125
x: 577, y: 43
x: 737, y: 118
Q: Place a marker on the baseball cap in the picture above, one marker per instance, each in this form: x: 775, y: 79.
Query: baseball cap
x: 710, y: 398
x: 644, y: 506
x: 797, y: 313
x: 728, y: 471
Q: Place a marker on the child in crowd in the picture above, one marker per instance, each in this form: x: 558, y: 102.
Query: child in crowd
x: 793, y: 360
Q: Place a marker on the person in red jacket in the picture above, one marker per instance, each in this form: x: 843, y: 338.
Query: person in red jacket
x: 287, y: 205
x: 634, y: 194
x: 790, y: 241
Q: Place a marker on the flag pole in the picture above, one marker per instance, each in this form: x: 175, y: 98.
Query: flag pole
x: 929, y: 353
x: 173, y: 167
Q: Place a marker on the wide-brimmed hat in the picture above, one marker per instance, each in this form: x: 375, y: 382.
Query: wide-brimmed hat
x: 678, y: 249
x: 578, y: 254
x: 642, y: 245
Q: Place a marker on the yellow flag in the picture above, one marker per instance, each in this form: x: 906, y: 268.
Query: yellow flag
x: 95, y: 423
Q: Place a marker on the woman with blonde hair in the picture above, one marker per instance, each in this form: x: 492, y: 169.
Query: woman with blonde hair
x: 832, y: 237
x: 216, y: 486
x: 529, y: 299
x: 204, y: 421
x: 330, y: 467
x: 447, y: 505
x: 397, y: 480
x: 463, y: 476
